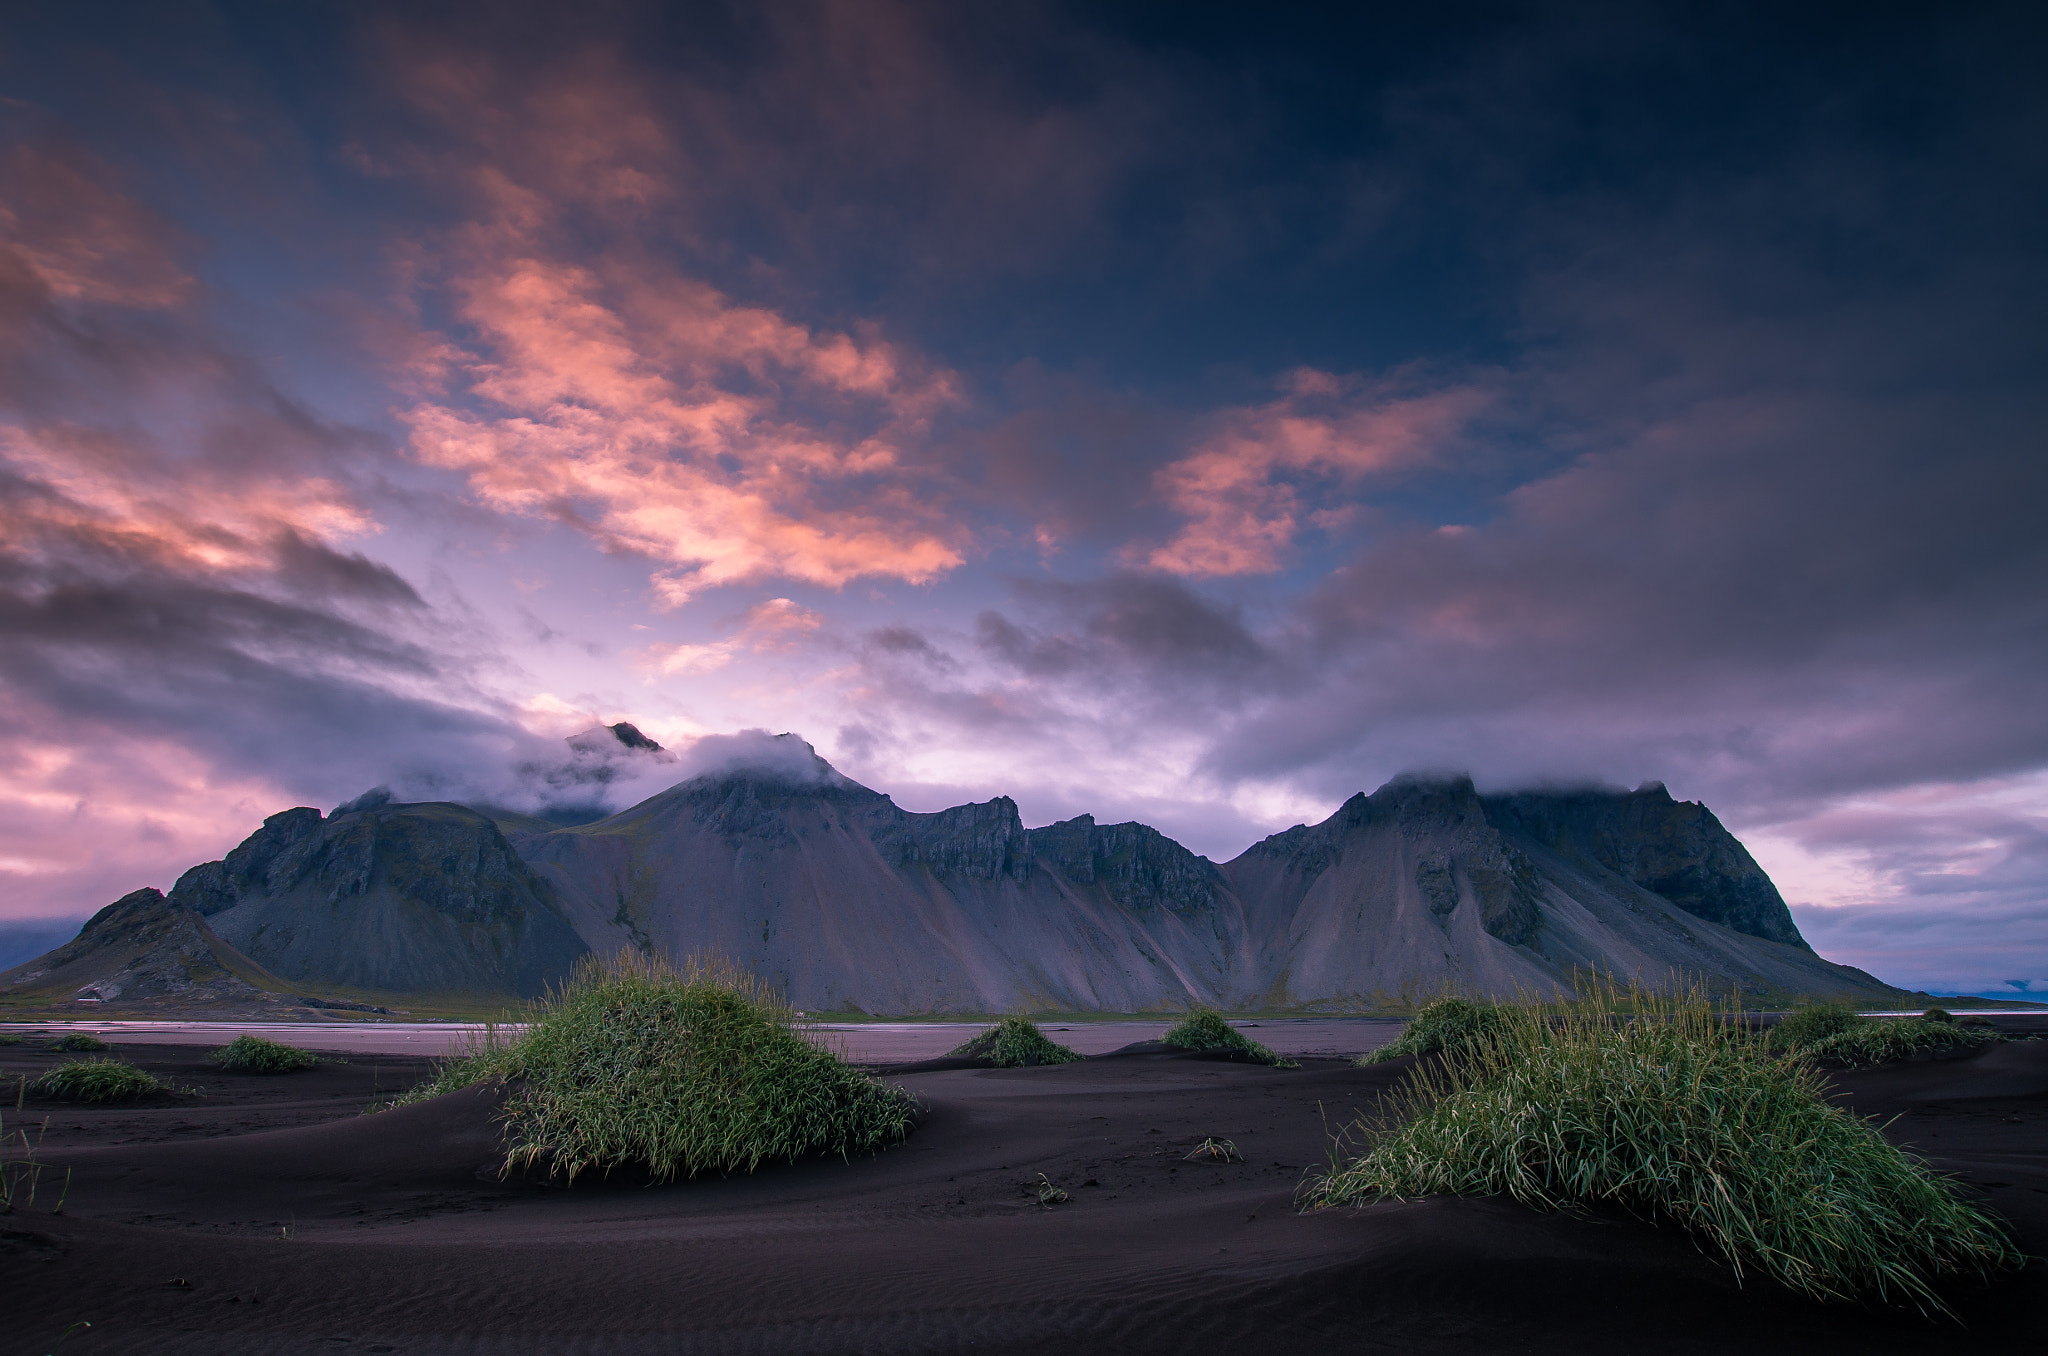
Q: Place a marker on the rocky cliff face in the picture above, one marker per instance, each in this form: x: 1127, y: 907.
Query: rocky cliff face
x: 1675, y: 849
x: 978, y: 842
x: 1140, y: 868
x: 852, y: 903
x: 392, y: 898
x: 1136, y: 866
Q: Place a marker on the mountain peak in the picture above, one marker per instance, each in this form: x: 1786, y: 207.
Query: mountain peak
x: 785, y: 759
x: 629, y: 734
x: 607, y: 739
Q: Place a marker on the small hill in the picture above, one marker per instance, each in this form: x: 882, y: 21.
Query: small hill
x: 143, y: 953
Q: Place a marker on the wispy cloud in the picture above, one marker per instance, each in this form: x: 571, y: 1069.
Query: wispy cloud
x: 1266, y: 473
x: 179, y: 589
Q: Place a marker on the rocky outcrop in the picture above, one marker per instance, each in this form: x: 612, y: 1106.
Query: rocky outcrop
x: 1139, y: 867
x: 978, y: 842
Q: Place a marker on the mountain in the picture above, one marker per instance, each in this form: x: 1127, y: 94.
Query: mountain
x: 852, y: 903
x: 1427, y: 883
x: 389, y: 898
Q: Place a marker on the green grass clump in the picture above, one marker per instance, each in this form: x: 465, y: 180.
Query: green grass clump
x: 77, y: 1042
x: 1447, y: 1024
x: 1837, y: 1034
x: 1015, y: 1043
x: 256, y: 1055
x: 96, y: 1080
x: 1811, y: 1023
x: 10, y: 1039
x: 1882, y: 1041
x: 1677, y: 1114
x: 1205, y: 1029
x: 680, y: 1070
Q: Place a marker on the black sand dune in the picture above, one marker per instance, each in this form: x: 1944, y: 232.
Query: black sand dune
x: 267, y: 1216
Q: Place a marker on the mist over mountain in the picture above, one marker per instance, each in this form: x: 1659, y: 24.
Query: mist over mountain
x: 766, y: 854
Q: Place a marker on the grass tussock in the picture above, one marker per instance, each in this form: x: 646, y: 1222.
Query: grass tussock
x: 1683, y: 1115
x: 1811, y: 1023
x: 1887, y: 1040
x: 1450, y: 1023
x: 78, y: 1042
x: 677, y: 1069
x: 1204, y: 1029
x: 9, y: 1038
x: 97, y: 1080
x: 1839, y: 1035
x: 1015, y: 1043
x: 256, y: 1055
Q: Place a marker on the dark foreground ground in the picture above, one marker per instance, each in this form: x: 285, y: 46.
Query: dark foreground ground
x: 265, y: 1215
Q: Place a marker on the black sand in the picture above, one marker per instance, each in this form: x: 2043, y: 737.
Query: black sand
x: 268, y: 1216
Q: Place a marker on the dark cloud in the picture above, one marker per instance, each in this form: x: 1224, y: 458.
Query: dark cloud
x: 312, y: 567
x: 910, y: 643
x: 172, y: 611
x: 1149, y: 627
x: 1037, y: 655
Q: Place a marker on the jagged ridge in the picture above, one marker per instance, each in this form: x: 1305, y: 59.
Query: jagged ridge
x: 851, y: 902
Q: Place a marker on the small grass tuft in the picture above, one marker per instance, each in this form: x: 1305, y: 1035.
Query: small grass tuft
x: 257, y: 1055
x: 1050, y: 1195
x: 1449, y: 1023
x: 1015, y: 1043
x: 1205, y: 1029
x: 1677, y: 1113
x: 678, y: 1069
x: 77, y: 1042
x: 1220, y: 1150
x: 19, y: 1177
x: 1939, y: 1015
x: 97, y: 1080
x: 10, y: 1039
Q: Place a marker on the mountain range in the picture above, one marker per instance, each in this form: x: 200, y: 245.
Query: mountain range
x: 853, y: 904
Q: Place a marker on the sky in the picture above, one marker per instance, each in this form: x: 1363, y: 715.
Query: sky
x: 1177, y: 412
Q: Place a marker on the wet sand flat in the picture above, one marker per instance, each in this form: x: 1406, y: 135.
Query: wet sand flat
x: 267, y: 1215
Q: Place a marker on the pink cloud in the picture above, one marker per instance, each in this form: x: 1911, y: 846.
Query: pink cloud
x: 775, y: 626
x: 724, y: 441
x: 1250, y: 486
x: 88, y: 815
x: 176, y: 516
